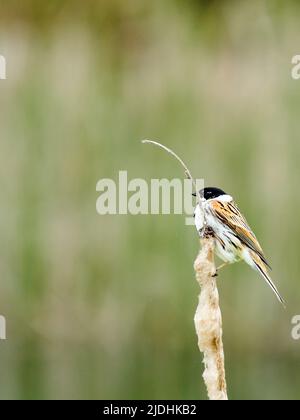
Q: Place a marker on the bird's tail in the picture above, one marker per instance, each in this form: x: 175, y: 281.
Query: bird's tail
x: 261, y: 268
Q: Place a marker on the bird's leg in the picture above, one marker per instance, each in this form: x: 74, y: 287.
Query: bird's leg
x: 219, y: 268
x: 224, y: 265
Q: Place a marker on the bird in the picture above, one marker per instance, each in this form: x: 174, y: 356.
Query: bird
x: 234, y: 240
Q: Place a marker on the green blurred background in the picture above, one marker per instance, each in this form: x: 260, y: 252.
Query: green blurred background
x: 103, y: 306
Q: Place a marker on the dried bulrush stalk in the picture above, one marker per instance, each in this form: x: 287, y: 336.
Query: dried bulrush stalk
x: 208, y: 318
x: 208, y: 321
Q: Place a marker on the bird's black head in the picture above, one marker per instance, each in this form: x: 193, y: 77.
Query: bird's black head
x: 211, y: 192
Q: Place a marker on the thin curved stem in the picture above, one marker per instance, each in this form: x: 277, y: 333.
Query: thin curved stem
x: 187, y: 171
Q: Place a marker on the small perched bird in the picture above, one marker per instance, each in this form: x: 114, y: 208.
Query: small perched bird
x: 234, y: 240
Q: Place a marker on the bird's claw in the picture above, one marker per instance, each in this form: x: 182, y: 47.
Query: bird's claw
x: 206, y: 232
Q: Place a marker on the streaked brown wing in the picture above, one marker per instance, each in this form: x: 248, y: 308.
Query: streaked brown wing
x: 229, y: 214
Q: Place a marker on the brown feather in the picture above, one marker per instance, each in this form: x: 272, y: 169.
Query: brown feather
x: 229, y: 214
x: 261, y: 267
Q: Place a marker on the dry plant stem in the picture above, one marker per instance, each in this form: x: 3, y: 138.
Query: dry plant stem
x: 186, y: 169
x: 208, y: 322
x: 208, y: 319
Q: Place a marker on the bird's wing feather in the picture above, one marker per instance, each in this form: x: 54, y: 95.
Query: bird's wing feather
x: 260, y: 266
x: 229, y: 214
